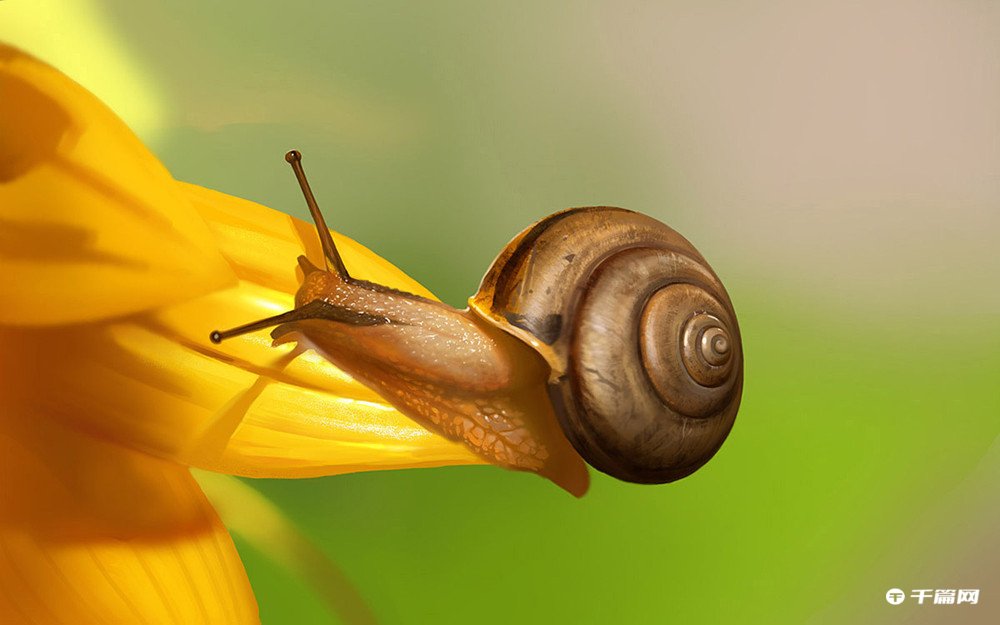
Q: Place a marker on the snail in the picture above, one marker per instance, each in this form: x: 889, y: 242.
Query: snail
x: 598, y: 334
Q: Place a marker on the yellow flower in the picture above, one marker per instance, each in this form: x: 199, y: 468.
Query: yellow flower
x: 112, y: 275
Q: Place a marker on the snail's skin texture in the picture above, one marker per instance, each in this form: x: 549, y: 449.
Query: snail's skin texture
x: 448, y: 369
x: 646, y: 363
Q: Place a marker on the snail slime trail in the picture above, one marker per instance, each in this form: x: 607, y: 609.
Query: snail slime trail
x: 528, y: 376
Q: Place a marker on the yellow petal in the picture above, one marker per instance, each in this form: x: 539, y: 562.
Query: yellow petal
x: 91, y: 532
x: 91, y: 224
x: 154, y: 382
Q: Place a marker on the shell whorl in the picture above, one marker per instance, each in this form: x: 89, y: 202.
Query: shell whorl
x: 641, y: 337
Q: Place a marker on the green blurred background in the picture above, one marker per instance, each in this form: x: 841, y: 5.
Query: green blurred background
x: 836, y: 162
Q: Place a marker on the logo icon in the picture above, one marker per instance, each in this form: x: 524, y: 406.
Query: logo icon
x: 895, y: 596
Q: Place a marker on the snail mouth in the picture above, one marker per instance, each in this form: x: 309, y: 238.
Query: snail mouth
x: 287, y: 333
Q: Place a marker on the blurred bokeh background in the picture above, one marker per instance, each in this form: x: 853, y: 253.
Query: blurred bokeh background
x: 837, y: 162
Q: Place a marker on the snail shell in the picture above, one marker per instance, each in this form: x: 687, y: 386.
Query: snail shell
x: 639, y: 333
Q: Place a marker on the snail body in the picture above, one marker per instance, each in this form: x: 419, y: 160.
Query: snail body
x: 451, y: 370
x: 597, y: 334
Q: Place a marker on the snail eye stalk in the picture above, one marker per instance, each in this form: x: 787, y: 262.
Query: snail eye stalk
x: 333, y: 259
x: 312, y: 310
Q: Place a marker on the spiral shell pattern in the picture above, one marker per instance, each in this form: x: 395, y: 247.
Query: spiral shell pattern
x: 640, y: 335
